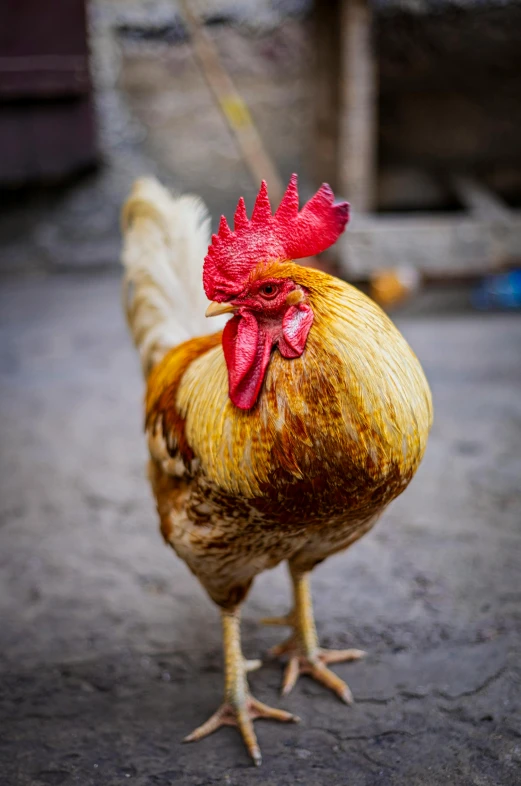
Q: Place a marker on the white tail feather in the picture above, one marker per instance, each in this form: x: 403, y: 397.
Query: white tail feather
x: 165, y: 241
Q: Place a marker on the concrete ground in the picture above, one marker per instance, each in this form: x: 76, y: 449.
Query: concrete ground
x: 109, y: 649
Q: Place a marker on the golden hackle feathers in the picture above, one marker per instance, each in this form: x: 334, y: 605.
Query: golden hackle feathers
x: 356, y: 401
x: 165, y: 240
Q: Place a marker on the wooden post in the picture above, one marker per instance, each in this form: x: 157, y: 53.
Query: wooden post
x: 357, y: 146
x: 326, y: 91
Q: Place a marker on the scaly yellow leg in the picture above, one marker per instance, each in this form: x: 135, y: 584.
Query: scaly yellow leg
x: 304, y: 654
x: 239, y: 708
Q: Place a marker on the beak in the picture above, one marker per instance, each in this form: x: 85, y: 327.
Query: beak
x: 214, y: 309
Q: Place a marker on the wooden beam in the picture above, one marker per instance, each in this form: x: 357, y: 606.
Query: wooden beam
x: 436, y: 245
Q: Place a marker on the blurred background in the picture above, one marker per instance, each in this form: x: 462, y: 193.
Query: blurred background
x: 410, y: 109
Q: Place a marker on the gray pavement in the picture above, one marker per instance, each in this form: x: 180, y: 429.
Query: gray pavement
x: 109, y: 649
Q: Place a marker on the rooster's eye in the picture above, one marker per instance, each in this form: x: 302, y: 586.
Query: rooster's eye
x: 268, y: 290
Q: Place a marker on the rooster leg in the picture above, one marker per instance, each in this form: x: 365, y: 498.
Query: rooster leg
x: 239, y: 708
x: 304, y: 654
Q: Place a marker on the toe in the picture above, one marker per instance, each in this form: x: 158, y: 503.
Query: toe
x: 218, y: 719
x: 252, y: 665
x: 331, y: 680
x: 261, y: 710
x: 282, y: 649
x: 291, y: 675
x: 245, y: 725
x: 341, y: 656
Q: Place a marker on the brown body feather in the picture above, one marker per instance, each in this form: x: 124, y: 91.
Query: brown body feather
x: 335, y: 435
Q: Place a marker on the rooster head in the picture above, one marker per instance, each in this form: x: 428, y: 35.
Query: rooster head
x: 240, y: 275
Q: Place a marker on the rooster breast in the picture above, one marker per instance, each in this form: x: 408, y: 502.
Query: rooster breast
x: 346, y: 419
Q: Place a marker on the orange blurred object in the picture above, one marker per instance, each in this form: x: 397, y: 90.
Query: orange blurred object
x: 395, y: 285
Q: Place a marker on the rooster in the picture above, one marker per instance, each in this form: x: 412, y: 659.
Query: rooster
x: 281, y: 437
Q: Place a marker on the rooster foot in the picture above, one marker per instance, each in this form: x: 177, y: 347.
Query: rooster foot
x: 242, y: 714
x: 302, y: 649
x: 315, y: 665
x: 239, y: 708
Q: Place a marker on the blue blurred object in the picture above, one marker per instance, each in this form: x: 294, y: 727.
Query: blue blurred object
x: 502, y: 291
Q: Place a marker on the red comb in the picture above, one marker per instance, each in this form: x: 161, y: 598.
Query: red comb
x: 288, y: 234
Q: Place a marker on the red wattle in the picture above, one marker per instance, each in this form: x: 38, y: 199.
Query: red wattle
x: 247, y: 350
x: 295, y: 328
